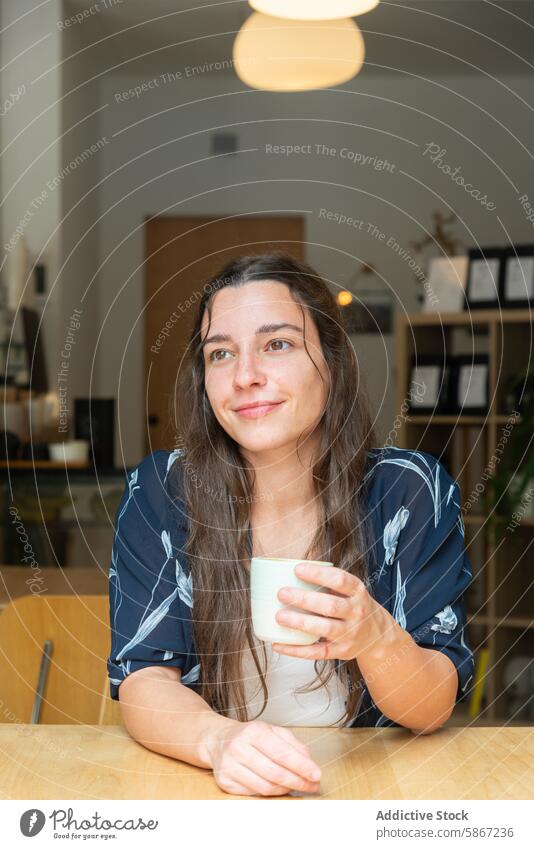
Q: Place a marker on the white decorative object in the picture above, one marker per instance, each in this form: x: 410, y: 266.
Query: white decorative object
x: 445, y: 291
x: 73, y: 450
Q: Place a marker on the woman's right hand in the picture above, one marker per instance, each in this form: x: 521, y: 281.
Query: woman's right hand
x: 257, y: 758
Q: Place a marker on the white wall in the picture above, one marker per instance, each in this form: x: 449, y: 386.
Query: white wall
x: 158, y: 161
x: 30, y: 46
x: 80, y: 145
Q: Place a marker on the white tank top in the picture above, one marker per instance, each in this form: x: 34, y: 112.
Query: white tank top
x: 285, y: 707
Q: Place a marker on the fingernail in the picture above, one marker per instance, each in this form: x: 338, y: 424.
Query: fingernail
x: 316, y: 774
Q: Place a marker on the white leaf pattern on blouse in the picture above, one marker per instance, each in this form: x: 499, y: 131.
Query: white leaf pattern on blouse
x: 431, y: 478
x: 400, y: 596
x: 149, y: 624
x: 192, y: 676
x: 172, y: 457
x: 168, y: 655
x: 113, y: 572
x: 125, y: 666
x: 185, y: 585
x: 447, y: 621
x: 166, y: 540
x: 391, y: 536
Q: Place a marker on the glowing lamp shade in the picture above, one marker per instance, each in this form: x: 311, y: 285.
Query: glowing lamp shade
x: 344, y: 298
x: 279, y: 54
x: 313, y: 10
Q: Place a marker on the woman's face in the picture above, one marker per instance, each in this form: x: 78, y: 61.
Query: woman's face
x: 254, y: 363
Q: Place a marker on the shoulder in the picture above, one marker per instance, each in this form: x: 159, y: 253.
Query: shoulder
x: 405, y: 467
x: 149, y: 483
x: 411, y: 479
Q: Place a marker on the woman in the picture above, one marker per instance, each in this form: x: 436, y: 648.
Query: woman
x: 297, y: 475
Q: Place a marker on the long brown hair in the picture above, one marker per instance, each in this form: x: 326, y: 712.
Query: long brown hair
x: 218, y: 487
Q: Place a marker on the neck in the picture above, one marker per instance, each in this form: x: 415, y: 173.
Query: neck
x: 283, y: 481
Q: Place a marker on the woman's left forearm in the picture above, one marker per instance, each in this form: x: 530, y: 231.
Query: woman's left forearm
x: 414, y: 686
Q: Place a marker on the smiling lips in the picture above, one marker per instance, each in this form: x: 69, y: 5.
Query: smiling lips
x: 258, y: 411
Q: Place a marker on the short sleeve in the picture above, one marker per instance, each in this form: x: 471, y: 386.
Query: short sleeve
x: 424, y: 548
x: 150, y: 592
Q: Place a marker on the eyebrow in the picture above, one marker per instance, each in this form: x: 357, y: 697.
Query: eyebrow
x: 265, y: 328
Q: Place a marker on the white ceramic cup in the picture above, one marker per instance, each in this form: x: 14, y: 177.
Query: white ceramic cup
x: 267, y: 576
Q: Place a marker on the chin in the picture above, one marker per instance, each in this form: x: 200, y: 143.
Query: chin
x: 262, y: 441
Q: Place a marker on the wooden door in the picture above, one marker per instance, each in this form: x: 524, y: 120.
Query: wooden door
x: 181, y: 253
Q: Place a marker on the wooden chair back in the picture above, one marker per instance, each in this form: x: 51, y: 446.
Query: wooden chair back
x: 76, y: 689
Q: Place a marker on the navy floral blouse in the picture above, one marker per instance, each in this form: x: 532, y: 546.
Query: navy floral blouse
x: 418, y: 570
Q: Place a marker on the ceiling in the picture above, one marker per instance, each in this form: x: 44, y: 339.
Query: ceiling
x: 424, y: 37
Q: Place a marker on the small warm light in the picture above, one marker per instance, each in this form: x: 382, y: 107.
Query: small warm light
x: 313, y: 10
x: 279, y: 54
x: 344, y: 298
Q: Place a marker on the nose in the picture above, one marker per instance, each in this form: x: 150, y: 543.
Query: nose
x: 248, y: 370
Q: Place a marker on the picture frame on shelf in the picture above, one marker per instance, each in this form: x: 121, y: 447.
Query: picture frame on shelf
x: 483, y: 288
x: 429, y: 384
x: 518, y: 277
x: 470, y: 384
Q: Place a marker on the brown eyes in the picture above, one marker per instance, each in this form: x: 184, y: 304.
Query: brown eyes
x: 213, y: 359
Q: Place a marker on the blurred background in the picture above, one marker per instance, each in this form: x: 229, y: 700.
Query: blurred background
x: 144, y: 145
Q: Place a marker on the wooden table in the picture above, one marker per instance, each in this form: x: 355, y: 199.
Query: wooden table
x: 103, y: 762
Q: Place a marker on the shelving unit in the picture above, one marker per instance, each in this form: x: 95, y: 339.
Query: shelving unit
x: 67, y: 512
x: 500, y: 601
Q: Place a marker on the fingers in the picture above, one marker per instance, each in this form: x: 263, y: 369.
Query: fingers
x: 288, y: 757
x: 256, y: 784
x: 288, y: 735
x: 329, y: 604
x: 280, y: 775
